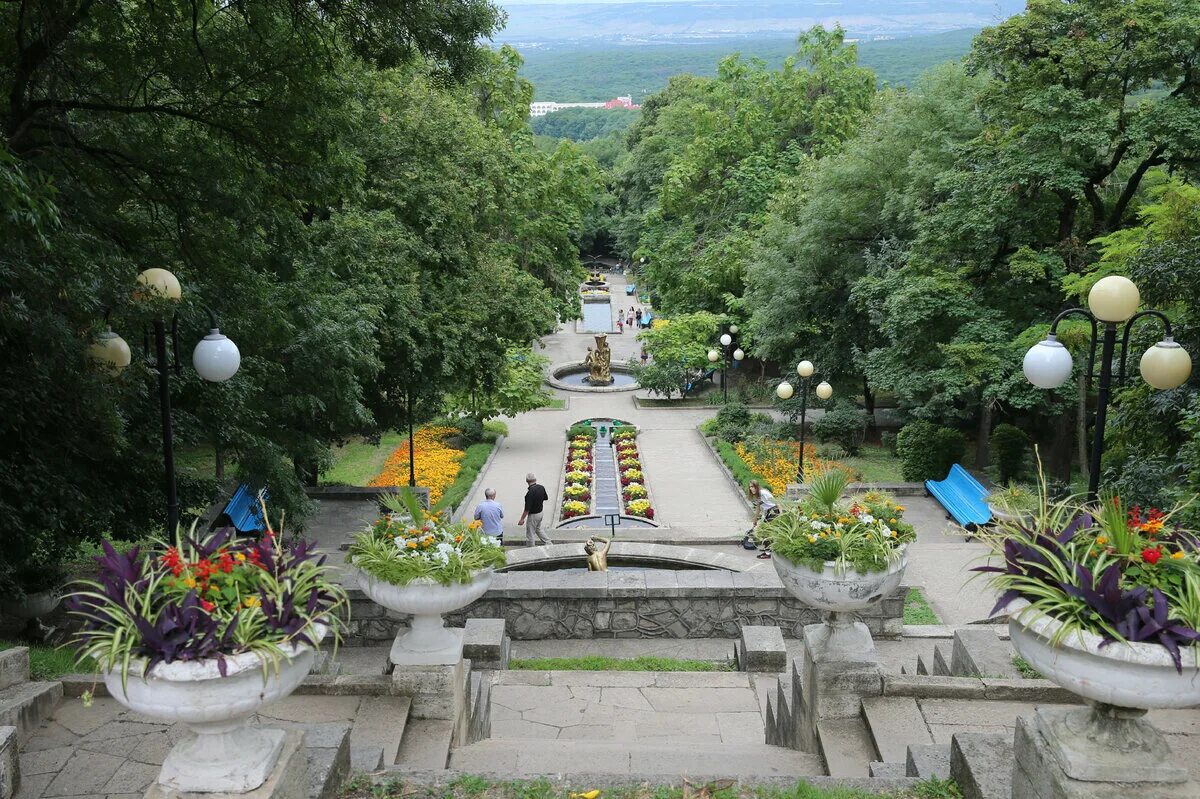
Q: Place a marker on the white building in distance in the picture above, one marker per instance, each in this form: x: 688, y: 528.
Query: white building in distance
x: 546, y: 107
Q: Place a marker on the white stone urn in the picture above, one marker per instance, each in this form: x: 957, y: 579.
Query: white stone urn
x: 225, y: 755
x: 33, y: 606
x: 1110, y: 741
x: 427, y: 641
x: 841, y: 593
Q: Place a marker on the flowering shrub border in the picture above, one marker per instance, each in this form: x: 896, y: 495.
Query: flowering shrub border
x: 634, y: 492
x: 436, y: 464
x: 579, y: 476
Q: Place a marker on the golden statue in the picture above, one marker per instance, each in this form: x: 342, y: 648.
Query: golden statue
x: 597, y: 559
x: 599, y: 362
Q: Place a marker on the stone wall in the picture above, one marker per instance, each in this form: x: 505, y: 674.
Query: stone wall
x: 650, y: 604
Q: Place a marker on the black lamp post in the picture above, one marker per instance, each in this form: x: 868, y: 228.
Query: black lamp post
x: 215, y: 358
x: 1112, y: 301
x: 785, y: 392
x: 731, y: 353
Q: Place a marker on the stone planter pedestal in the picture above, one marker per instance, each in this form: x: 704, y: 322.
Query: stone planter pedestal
x: 1107, y: 750
x: 840, y: 666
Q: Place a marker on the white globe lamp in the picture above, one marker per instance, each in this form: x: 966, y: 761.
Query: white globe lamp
x: 738, y: 354
x: 1166, y: 365
x: 159, y: 283
x: 216, y: 358
x: 110, y: 350
x: 824, y: 390
x: 1048, y: 364
x: 713, y: 356
x: 1114, y: 299
x: 804, y: 368
x: 733, y: 328
x: 726, y: 339
x: 784, y: 390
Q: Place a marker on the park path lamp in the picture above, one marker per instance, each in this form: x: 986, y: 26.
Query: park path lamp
x: 1112, y: 301
x: 785, y: 392
x: 733, y: 354
x: 215, y: 358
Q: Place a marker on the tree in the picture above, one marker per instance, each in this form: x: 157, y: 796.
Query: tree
x: 678, y: 348
x: 518, y: 388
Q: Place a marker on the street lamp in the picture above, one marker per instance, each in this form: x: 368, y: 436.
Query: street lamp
x: 215, y: 358
x: 1113, y: 300
x: 785, y: 391
x: 732, y: 353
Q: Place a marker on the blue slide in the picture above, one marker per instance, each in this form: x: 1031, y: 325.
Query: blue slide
x: 963, y: 497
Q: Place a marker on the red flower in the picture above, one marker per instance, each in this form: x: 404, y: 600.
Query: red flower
x: 1151, y: 556
x: 208, y: 606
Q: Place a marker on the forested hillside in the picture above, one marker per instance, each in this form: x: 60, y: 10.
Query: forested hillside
x: 583, y: 124
x: 585, y: 75
x: 916, y: 243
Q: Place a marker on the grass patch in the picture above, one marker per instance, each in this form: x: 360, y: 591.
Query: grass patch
x: 49, y: 663
x: 356, y: 462
x: 557, y: 404
x: 876, y: 464
x: 741, y: 472
x: 1027, y: 671
x: 600, y: 663
x: 475, y: 456
x: 917, y: 610
x: 472, y: 787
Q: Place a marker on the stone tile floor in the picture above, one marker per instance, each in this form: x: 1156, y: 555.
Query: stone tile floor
x: 708, y: 708
x: 108, y: 751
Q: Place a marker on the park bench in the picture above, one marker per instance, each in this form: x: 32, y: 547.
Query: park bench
x: 963, y: 497
x: 695, y: 382
x: 630, y: 290
x: 243, y: 512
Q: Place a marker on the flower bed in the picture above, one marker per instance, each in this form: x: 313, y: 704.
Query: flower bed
x: 577, y: 488
x: 634, y: 493
x: 775, y: 462
x: 864, y: 535
x: 436, y: 464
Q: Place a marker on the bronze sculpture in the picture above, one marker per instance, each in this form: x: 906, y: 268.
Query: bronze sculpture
x: 597, y: 559
x: 599, y: 362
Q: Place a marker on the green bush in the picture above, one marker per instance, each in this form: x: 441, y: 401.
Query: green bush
x: 473, y: 460
x: 844, y: 424
x: 470, y: 429
x: 494, y: 429
x: 733, y: 421
x: 927, y: 451
x: 581, y: 430
x: 888, y: 440
x: 831, y: 452
x: 741, y: 472
x: 1009, y: 445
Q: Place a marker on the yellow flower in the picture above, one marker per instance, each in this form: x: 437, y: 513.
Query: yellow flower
x: 1177, y: 556
x: 891, y: 521
x: 1101, y: 540
x: 251, y: 602
x: 900, y: 508
x: 475, y: 525
x: 812, y: 539
x: 893, y: 533
x: 412, y: 544
x: 241, y: 556
x: 190, y: 582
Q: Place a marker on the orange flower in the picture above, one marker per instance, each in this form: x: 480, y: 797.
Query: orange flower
x: 436, y: 464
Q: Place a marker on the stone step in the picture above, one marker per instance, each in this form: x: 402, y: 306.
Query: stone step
x: 846, y: 746
x: 378, y: 730
x: 425, y: 745
x: 926, y: 762
x: 625, y: 679
x: 27, y: 704
x: 895, y: 723
x: 922, y: 666
x: 14, y: 667
x: 981, y: 764
x: 520, y: 757
x: 941, y: 664
x: 979, y: 652
x: 887, y: 771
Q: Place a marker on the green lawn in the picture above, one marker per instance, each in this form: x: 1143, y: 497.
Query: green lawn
x: 557, y: 404
x: 917, y: 610
x: 357, y: 462
x: 476, y: 455
x: 469, y: 786
x: 876, y: 464
x: 600, y: 663
x: 48, y: 663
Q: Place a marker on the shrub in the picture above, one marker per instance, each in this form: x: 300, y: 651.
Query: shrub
x: 888, y: 440
x: 1009, y: 445
x: 733, y: 420
x: 844, y: 424
x: 470, y: 429
x: 927, y: 451
x: 581, y: 430
x: 831, y: 452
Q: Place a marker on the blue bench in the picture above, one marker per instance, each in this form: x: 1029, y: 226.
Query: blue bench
x: 630, y: 290
x: 243, y: 512
x: 647, y: 318
x: 963, y: 497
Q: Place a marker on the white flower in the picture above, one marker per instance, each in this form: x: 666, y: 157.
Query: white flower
x: 866, y: 517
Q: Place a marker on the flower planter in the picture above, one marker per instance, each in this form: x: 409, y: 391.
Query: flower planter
x: 33, y: 606
x: 226, y: 755
x: 426, y: 601
x: 1006, y: 517
x: 840, y: 592
x: 1109, y: 741
x: 1130, y: 675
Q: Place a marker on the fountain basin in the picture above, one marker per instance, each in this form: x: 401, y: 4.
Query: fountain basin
x: 574, y: 377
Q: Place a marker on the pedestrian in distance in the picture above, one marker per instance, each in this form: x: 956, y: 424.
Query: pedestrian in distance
x: 765, y: 509
x: 645, y: 356
x: 491, y: 514
x: 620, y: 325
x: 535, y: 500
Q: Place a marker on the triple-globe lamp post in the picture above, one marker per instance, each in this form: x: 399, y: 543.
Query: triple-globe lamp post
x: 215, y: 359
x: 1112, y: 301
x: 785, y: 392
x: 732, y: 353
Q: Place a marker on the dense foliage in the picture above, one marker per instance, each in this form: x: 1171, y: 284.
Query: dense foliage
x: 584, y: 124
x: 352, y: 188
x: 918, y: 242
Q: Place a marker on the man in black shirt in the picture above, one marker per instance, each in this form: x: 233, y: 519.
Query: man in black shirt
x: 535, y: 498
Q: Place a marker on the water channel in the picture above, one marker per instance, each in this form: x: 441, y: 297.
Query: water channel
x: 597, y: 317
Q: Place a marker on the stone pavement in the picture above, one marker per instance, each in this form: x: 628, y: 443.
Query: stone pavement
x: 108, y: 751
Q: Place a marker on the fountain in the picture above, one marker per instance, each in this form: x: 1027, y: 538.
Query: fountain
x: 599, y: 362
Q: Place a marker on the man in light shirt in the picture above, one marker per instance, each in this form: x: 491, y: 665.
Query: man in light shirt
x: 491, y: 514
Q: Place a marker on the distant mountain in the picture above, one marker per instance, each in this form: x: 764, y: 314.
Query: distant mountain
x: 536, y: 25
x: 602, y: 72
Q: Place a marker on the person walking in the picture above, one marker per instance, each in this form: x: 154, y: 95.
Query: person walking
x: 645, y: 356
x: 620, y: 324
x: 765, y: 509
x: 629, y: 317
x: 535, y: 498
x: 491, y: 514
x: 638, y: 316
